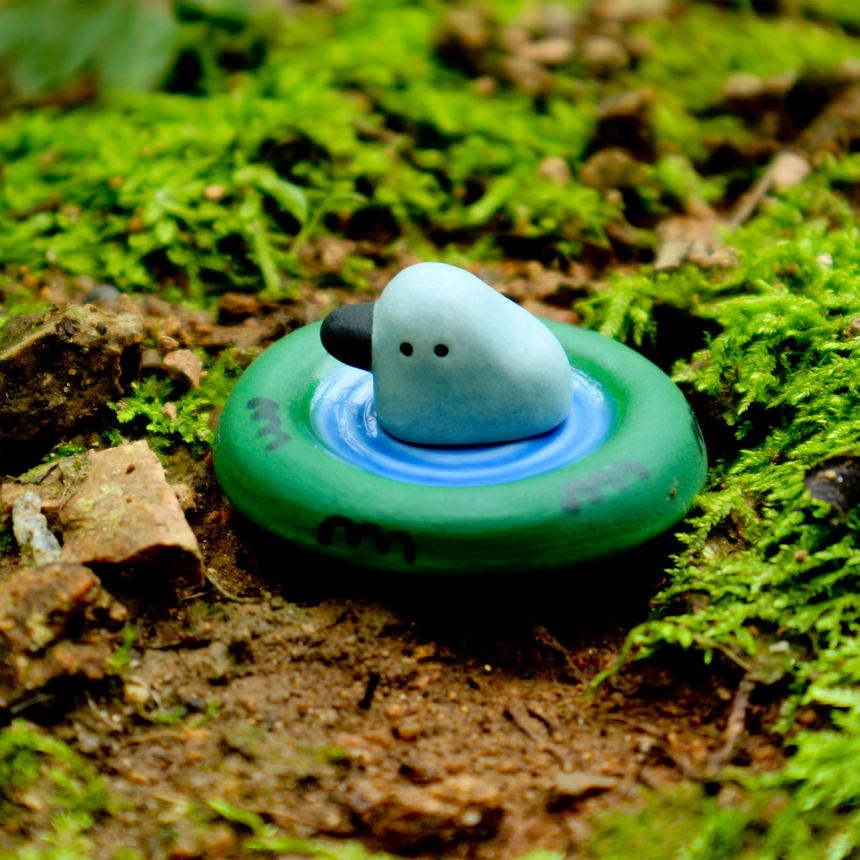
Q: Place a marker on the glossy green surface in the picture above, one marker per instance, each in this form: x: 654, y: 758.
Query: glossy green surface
x: 638, y: 484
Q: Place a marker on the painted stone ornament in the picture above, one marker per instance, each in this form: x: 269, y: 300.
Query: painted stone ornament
x: 454, y: 362
x: 378, y: 457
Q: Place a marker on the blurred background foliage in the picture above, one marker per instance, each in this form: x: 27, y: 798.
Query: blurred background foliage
x: 476, y: 129
x: 46, y: 45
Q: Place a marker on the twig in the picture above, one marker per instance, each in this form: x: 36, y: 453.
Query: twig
x: 100, y: 714
x: 176, y: 801
x: 33, y: 700
x: 683, y: 763
x: 229, y: 595
x: 528, y: 725
x: 734, y: 725
x: 372, y: 683
x: 155, y: 736
x: 544, y: 637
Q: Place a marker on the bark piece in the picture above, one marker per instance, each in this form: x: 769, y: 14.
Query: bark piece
x: 61, y: 365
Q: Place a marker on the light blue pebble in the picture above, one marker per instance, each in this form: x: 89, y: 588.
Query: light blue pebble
x: 504, y: 376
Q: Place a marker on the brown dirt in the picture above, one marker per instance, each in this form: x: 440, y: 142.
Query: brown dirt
x: 428, y: 715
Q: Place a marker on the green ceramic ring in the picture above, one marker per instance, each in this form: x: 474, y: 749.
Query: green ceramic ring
x: 275, y: 469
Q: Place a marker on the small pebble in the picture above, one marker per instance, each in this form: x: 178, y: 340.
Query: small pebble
x: 605, y: 52
x: 214, y: 192
x: 743, y: 85
x: 556, y: 169
x: 30, y: 526
x: 151, y: 360
x: 184, y: 367
x: 408, y: 730
x: 579, y: 783
x: 101, y: 293
x: 135, y: 693
x: 789, y: 169
x: 550, y: 52
x: 166, y: 343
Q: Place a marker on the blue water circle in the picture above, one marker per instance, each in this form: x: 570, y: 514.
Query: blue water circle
x: 343, y: 417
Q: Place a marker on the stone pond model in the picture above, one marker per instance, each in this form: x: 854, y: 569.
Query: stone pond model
x: 445, y: 429
x: 454, y: 362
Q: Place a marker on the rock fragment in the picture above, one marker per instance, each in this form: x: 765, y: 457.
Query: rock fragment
x: 37, y: 605
x: 61, y: 365
x: 550, y: 52
x: 115, y: 507
x: 580, y: 783
x: 251, y: 332
x: 37, y: 543
x: 625, y: 11
x: 233, y: 307
x: 743, y: 85
x: 412, y: 817
x: 40, y: 609
x: 694, y: 239
x: 525, y: 74
x: 612, y: 168
x: 184, y: 367
x: 604, y: 52
x: 556, y: 169
x: 185, y: 495
x: 837, y: 482
x: 789, y: 169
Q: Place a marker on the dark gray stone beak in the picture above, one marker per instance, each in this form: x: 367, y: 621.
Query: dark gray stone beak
x: 346, y: 334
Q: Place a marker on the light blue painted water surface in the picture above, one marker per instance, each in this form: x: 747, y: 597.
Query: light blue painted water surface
x: 344, y: 420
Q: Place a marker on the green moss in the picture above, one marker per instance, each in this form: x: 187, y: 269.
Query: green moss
x: 40, y: 772
x: 807, y: 811
x: 701, y: 48
x: 119, y: 192
x: 190, y: 419
x: 772, y: 570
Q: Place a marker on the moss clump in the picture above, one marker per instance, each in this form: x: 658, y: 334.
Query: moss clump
x: 171, y: 414
x: 772, y: 570
x: 43, y: 779
x: 805, y: 812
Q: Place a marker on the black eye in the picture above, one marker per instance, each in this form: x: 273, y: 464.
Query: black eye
x: 406, y: 348
x: 441, y: 350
